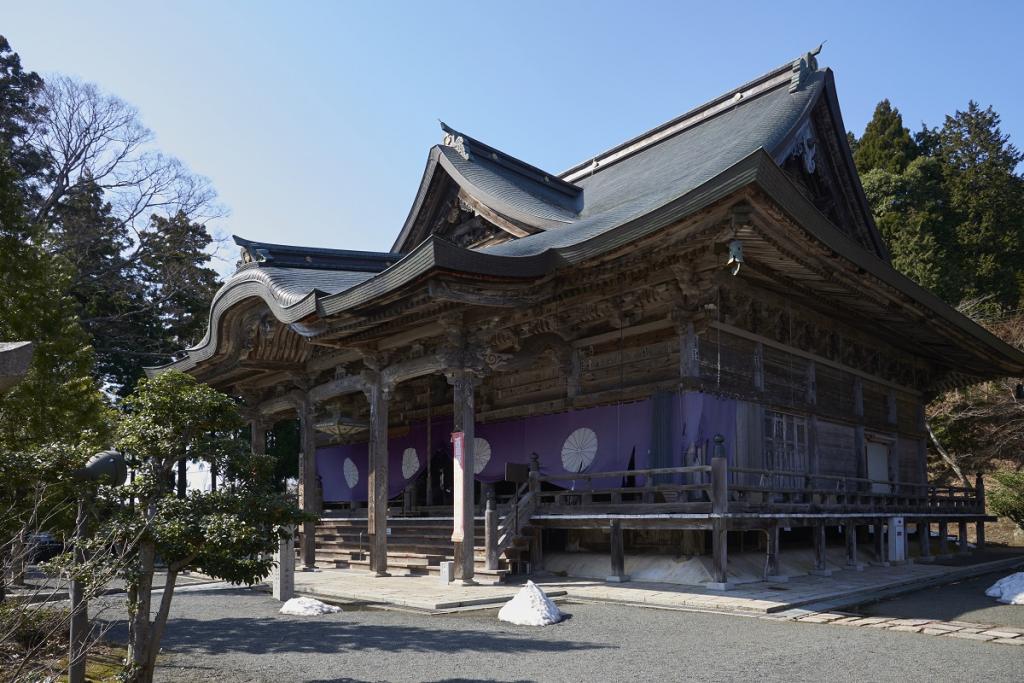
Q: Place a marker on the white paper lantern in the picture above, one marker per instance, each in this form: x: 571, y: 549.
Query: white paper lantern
x: 481, y: 454
x: 351, y: 473
x: 579, y: 450
x: 410, y: 463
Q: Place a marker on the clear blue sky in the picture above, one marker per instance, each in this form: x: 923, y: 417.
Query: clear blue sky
x: 313, y: 119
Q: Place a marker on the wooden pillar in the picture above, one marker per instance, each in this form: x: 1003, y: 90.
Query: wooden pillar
x: 881, y: 551
x: 491, y: 532
x: 258, y: 436
x: 771, y: 565
x: 944, y: 540
x: 924, y: 540
x: 820, y: 564
x: 850, y: 534
x: 307, y: 481
x: 961, y: 540
x: 719, y: 508
x: 979, y: 490
x: 720, y: 554
x: 464, y: 383
x: 377, y: 479
x: 536, y: 550
x: 618, y: 553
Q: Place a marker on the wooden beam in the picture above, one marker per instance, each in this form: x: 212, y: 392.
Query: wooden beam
x: 337, y: 387
x: 820, y: 360
x: 410, y: 369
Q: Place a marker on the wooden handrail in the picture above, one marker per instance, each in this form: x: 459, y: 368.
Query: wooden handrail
x: 623, y: 473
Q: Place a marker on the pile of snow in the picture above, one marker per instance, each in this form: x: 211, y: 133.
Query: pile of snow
x: 1009, y: 589
x: 530, y: 607
x: 308, y: 607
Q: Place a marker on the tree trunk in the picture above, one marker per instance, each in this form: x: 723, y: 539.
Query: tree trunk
x: 949, y: 459
x: 160, y: 622
x: 139, y: 644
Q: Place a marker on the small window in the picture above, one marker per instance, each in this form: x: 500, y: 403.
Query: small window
x: 785, y: 442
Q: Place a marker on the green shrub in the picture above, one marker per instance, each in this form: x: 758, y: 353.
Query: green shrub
x: 1007, y: 500
x: 29, y: 626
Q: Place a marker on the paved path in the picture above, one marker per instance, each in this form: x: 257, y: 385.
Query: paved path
x: 237, y: 635
x: 961, y: 601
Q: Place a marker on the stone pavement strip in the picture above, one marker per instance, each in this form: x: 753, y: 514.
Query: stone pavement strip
x: 1003, y: 635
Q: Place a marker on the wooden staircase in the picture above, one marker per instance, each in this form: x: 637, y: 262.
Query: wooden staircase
x: 415, y: 546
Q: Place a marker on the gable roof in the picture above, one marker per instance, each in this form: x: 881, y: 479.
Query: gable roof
x: 772, y: 113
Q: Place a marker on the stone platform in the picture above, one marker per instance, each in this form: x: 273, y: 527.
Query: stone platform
x: 807, y: 593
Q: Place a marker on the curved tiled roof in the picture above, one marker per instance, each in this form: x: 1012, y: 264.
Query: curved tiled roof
x: 640, y: 186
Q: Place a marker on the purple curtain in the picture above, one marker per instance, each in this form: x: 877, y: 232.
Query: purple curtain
x: 622, y: 431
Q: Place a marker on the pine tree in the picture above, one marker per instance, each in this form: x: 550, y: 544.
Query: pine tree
x: 886, y: 144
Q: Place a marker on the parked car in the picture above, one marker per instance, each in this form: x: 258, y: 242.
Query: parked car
x: 43, y: 546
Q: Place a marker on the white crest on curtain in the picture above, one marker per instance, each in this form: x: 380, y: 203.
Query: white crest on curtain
x: 410, y: 463
x: 351, y: 473
x: 579, y: 450
x: 481, y: 454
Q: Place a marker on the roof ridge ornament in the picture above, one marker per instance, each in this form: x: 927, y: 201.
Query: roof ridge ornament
x: 456, y: 142
x: 803, y: 68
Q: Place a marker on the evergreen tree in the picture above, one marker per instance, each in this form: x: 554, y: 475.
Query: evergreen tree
x: 180, y: 285
x: 111, y: 300
x: 886, y: 144
x: 986, y: 198
x: 58, y: 398
x: 19, y: 112
x: 910, y: 211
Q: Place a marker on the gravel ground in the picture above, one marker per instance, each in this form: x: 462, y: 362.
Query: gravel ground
x: 237, y: 635
x: 961, y: 601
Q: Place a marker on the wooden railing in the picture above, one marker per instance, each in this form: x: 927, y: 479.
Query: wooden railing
x: 719, y: 489
x: 500, y: 534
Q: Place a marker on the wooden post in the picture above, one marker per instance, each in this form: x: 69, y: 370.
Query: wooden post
x: 881, y: 553
x: 307, y: 481
x: 924, y: 540
x: 820, y: 565
x: 944, y: 540
x: 771, y: 565
x: 464, y: 384
x: 182, y: 479
x: 719, y: 485
x: 850, y: 532
x: 618, y: 553
x: 979, y: 490
x: 961, y: 541
x: 534, y: 474
x: 377, y: 479
x: 536, y: 551
x: 282, y: 575
x: 491, y: 532
x: 719, y: 508
x: 79, y: 622
x: 720, y: 555
x: 430, y: 447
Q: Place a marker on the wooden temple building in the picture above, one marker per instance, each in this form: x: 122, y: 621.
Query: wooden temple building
x: 682, y: 345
